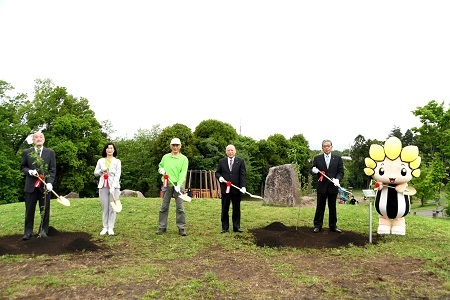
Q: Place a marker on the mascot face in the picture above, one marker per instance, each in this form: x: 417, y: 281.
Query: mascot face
x: 392, y: 171
x: 393, y: 164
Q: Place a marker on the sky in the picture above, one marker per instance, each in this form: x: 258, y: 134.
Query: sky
x: 324, y: 69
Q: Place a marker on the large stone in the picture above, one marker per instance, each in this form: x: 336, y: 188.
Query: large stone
x: 130, y: 193
x: 282, y: 186
x: 72, y: 195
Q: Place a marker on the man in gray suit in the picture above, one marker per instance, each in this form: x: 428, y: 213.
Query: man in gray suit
x: 332, y: 166
x: 38, y: 162
x: 231, y: 170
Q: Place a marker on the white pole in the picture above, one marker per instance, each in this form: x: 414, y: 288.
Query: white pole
x: 370, y: 221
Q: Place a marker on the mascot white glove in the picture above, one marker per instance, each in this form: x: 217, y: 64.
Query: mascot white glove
x: 177, y: 188
x: 161, y: 171
x: 336, y: 182
x: 49, y: 187
x: 243, y: 190
x: 33, y: 172
x: 315, y: 170
x: 221, y: 179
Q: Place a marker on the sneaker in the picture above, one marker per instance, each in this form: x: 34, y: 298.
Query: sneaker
x: 110, y: 232
x: 104, y: 231
x: 161, y: 231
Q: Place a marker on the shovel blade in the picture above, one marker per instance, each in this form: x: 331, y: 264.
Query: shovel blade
x: 63, y: 200
x: 185, y: 197
x: 116, y: 205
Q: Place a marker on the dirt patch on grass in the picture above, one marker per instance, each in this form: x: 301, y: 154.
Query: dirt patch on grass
x: 242, y: 274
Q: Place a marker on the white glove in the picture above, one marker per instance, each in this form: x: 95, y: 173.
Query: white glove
x: 221, y: 179
x: 32, y: 172
x: 243, y: 190
x: 336, y: 182
x: 177, y: 188
x: 161, y: 171
x: 315, y: 170
x: 49, y: 187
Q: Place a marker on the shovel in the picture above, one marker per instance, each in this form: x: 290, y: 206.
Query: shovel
x: 63, y: 200
x: 182, y: 196
x: 347, y: 191
x: 409, y: 190
x: 251, y: 195
x: 116, y: 204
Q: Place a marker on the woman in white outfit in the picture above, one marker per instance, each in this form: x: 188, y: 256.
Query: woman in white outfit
x: 108, y: 169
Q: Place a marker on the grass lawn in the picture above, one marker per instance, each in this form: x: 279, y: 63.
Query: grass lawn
x: 138, y: 264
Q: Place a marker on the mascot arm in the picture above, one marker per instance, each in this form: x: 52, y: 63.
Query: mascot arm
x: 401, y: 188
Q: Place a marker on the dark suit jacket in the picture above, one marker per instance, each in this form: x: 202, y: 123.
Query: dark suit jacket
x: 237, y: 176
x: 48, y: 155
x: 335, y: 170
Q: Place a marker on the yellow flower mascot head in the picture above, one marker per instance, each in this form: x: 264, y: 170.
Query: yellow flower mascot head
x: 392, y: 167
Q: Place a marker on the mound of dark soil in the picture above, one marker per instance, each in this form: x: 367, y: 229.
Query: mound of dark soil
x: 56, y: 243
x: 279, y: 235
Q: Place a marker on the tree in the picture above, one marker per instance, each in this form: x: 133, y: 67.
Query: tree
x: 139, y: 166
x: 72, y: 130
x: 435, y: 130
x: 13, y: 133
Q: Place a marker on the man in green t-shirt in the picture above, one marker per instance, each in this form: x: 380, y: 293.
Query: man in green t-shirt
x: 173, y: 165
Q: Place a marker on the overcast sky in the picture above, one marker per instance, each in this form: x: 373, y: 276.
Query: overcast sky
x: 324, y: 69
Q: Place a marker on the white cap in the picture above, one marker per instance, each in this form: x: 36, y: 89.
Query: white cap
x: 175, y: 141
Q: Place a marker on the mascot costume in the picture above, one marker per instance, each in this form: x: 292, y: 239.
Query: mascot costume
x: 392, y: 167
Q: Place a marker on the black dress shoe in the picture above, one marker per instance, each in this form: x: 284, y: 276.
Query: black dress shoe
x: 238, y: 230
x: 224, y: 231
x: 26, y: 237
x: 316, y: 229
x: 335, y: 230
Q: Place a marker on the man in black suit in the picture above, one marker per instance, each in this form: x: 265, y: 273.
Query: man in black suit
x: 38, y: 161
x: 231, y: 170
x: 332, y: 166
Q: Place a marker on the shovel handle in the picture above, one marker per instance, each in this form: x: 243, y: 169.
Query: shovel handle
x: 46, y: 184
x: 251, y: 195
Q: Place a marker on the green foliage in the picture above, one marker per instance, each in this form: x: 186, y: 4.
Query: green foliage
x: 222, y: 133
x: 72, y: 130
x: 139, y: 166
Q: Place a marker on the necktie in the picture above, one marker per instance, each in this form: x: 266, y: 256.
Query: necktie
x: 327, y: 160
x: 231, y: 164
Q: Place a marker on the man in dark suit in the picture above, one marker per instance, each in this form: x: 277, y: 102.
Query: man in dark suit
x: 231, y: 170
x: 38, y: 161
x: 332, y: 166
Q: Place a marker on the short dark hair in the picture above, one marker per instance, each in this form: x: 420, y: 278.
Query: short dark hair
x: 106, y: 147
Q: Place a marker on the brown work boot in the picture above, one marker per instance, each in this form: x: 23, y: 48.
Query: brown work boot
x: 161, y: 231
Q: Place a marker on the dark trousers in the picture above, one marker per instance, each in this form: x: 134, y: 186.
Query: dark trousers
x: 235, y: 200
x: 31, y: 199
x: 320, y: 210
